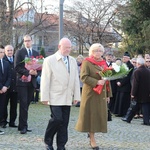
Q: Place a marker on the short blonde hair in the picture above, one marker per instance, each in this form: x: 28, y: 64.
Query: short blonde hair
x: 95, y: 46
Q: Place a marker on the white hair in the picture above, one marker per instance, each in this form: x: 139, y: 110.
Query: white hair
x: 140, y: 61
x: 95, y: 46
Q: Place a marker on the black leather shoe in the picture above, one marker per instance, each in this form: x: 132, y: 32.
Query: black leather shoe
x: 24, y: 131
x: 13, y: 125
x: 95, y: 148
x: 49, y: 147
x: 29, y: 130
x: 4, y: 124
x: 125, y: 119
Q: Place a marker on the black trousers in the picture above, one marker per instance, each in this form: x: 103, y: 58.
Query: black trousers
x: 58, y: 124
x: 12, y: 96
x: 2, y: 104
x: 25, y: 97
x: 146, y: 113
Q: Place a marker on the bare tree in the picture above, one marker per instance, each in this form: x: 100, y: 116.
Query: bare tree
x: 12, y: 26
x: 2, y: 18
x: 92, y: 22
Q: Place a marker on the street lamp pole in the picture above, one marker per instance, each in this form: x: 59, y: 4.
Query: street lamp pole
x: 61, y: 2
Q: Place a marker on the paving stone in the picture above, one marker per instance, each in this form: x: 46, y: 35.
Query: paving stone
x: 120, y: 136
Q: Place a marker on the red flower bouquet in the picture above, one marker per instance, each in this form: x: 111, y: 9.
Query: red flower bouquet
x: 32, y: 63
x: 116, y: 71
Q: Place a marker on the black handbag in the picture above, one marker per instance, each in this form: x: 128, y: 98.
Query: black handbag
x: 133, y: 103
x: 131, y: 110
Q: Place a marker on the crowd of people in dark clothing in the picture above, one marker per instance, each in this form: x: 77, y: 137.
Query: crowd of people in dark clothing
x: 13, y: 89
x: 124, y: 90
x: 121, y: 104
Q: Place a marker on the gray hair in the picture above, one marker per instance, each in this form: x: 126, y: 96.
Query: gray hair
x: 95, y: 46
x: 10, y: 46
x: 140, y: 61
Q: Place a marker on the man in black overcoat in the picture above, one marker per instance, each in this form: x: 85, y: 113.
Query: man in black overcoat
x: 11, y: 95
x: 141, y: 89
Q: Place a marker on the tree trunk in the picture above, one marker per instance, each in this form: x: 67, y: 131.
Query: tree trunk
x: 2, y: 20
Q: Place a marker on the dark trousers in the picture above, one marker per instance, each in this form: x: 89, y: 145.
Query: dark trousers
x: 25, y: 96
x: 146, y: 113
x: 58, y: 124
x: 2, y: 104
x: 12, y: 96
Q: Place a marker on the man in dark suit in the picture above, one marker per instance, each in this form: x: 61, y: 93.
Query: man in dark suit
x: 25, y: 89
x: 141, y: 89
x: 5, y: 80
x: 12, y: 91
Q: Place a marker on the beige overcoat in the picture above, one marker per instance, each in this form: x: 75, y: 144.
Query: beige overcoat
x: 57, y: 85
x: 93, y: 107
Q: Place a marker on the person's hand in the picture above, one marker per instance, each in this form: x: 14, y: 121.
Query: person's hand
x: 75, y: 102
x: 4, y: 89
x: 1, y: 92
x: 132, y: 96
x: 45, y: 102
x: 101, y: 82
x: 33, y: 72
x: 118, y: 83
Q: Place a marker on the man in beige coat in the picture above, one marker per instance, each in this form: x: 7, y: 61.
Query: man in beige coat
x: 59, y: 86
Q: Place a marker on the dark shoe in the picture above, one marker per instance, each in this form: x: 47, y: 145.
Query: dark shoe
x: 95, y: 148
x: 49, y: 147
x: 3, y: 124
x: 24, y: 131
x: 1, y: 132
x: 13, y: 125
x: 125, y: 119
x: 29, y: 130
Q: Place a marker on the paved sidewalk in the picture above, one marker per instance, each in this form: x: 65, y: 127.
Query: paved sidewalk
x: 120, y: 136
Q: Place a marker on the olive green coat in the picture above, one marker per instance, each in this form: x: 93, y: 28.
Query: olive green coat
x: 93, y: 107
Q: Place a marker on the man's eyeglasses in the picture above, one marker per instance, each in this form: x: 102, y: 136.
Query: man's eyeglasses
x: 27, y: 40
x: 97, y: 51
x: 9, y: 50
x: 147, y: 61
x: 1, y: 52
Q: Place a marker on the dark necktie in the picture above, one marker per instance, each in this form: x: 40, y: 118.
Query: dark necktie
x: 2, y: 66
x: 30, y: 54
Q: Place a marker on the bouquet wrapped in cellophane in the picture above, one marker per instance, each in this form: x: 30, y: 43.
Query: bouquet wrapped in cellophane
x: 116, y: 71
x: 32, y: 63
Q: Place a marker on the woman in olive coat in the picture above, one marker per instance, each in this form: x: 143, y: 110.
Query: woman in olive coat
x: 93, y: 108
